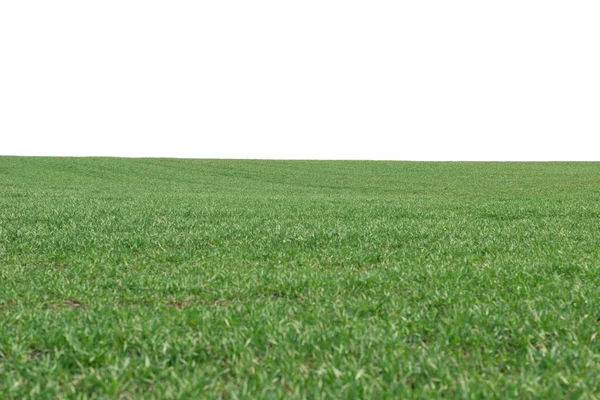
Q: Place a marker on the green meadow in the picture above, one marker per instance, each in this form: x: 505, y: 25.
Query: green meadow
x: 167, y: 278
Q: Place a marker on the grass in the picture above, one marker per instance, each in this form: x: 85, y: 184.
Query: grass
x: 162, y: 278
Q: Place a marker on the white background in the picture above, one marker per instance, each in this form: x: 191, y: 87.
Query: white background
x: 404, y: 80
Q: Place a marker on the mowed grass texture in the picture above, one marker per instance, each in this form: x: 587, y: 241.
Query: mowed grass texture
x: 162, y: 278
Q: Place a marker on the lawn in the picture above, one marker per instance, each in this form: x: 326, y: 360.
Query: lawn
x: 165, y: 278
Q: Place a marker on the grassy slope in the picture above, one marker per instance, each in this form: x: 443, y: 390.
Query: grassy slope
x: 168, y: 278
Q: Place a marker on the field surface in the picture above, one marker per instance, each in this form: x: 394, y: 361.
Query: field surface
x: 163, y: 278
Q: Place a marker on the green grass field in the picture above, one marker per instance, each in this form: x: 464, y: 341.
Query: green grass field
x: 163, y: 278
